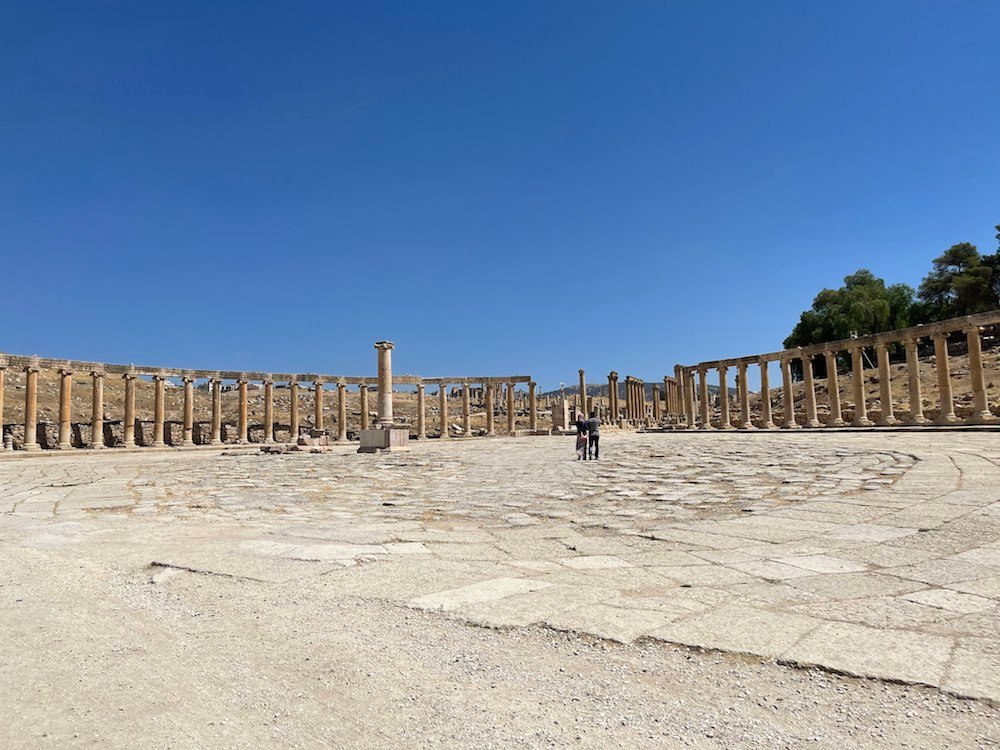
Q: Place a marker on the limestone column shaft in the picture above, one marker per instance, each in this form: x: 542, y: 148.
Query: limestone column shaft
x: 766, y: 421
x: 268, y: 411
x: 656, y: 403
x: 31, y: 408
x: 611, y: 395
x: 888, y: 418
x: 489, y: 409
x: 3, y: 374
x: 746, y: 422
x: 833, y: 390
x: 858, y: 382
x: 65, y: 404
x: 913, y: 384
x: 689, y: 398
x: 706, y: 413
x: 788, y: 395
x: 443, y: 409
x: 216, y: 411
x: 642, y: 401
x: 980, y: 406
x: 243, y: 425
x: 532, y: 404
x: 947, y: 412
x: 341, y: 412
x: 466, y: 411
x: 318, y: 405
x: 511, y: 416
x: 583, y: 394
x: 364, y: 406
x: 667, y: 396
x: 421, y: 427
x: 384, y: 383
x: 725, y: 422
x: 810, y: 388
x: 293, y: 412
x: 159, y: 384
x: 188, y: 411
x: 128, y: 423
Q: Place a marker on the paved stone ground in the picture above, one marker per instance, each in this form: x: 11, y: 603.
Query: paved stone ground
x: 867, y: 554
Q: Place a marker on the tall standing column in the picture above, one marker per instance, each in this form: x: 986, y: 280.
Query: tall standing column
x: 766, y: 422
x: 788, y: 395
x: 268, y: 411
x: 913, y: 382
x: 706, y: 409
x: 65, y: 404
x: 689, y: 397
x: 681, y: 393
x: 980, y: 406
x: 489, y: 409
x: 668, y: 397
x: 612, y: 387
x: 833, y: 390
x: 810, y: 387
x: 243, y: 425
x: 511, y: 416
x: 384, y: 383
x: 217, y: 411
x: 746, y: 422
x: 159, y: 384
x: 3, y: 374
x: 724, y: 420
x: 188, y: 411
x: 31, y: 408
x: 885, y: 386
x: 858, y: 380
x: 128, y: 423
x: 293, y: 412
x: 642, y: 401
x: 364, y: 406
x: 421, y: 427
x: 443, y: 409
x: 656, y: 403
x: 318, y: 405
x: 341, y: 412
x: 466, y: 411
x: 583, y: 394
x: 532, y: 407
x: 947, y: 413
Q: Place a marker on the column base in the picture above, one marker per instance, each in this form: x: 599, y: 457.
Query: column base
x: 128, y: 445
x: 792, y: 426
x: 748, y: 426
x: 158, y: 444
x: 811, y: 424
x: 215, y: 441
x: 31, y: 447
x: 947, y: 419
x: 726, y: 427
x: 267, y: 441
x: 96, y: 446
x: 862, y: 422
x: 64, y: 446
x: 920, y: 419
x: 888, y: 422
x: 838, y: 422
x: 421, y: 437
x: 769, y: 426
x: 982, y: 417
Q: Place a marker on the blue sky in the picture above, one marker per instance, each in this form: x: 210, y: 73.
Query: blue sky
x: 497, y: 187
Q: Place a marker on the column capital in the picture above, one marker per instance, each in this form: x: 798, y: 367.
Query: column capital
x: 243, y: 378
x: 65, y: 371
x: 160, y: 376
x: 318, y: 383
x: 341, y: 386
x: 882, y: 345
x: 97, y: 373
x: 364, y: 386
x: 720, y: 367
x: 129, y: 376
x: 188, y: 378
x: 830, y: 352
x: 420, y: 386
x: 613, y: 375
x: 268, y: 381
x: 940, y: 335
x: 972, y: 329
x: 384, y: 345
x: 911, y: 340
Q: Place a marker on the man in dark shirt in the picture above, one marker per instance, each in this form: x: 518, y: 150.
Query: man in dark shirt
x: 594, y: 436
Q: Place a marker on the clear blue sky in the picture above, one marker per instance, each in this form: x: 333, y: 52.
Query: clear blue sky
x: 497, y: 187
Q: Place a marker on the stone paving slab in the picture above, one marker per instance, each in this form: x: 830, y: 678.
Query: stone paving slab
x: 874, y: 555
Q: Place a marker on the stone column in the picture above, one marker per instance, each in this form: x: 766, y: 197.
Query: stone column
x: 980, y: 406
x: 746, y: 422
x: 858, y: 380
x: 668, y: 397
x: 833, y: 390
x: 128, y: 423
x: 913, y: 382
x: 159, y: 384
x: 612, y: 376
x: 724, y: 421
x: 384, y: 383
x: 318, y: 405
x: 511, y: 417
x: 3, y: 374
x: 188, y: 411
x: 681, y: 397
x: 947, y: 415
x: 810, y: 387
x: 364, y: 406
x: 31, y: 408
x: 341, y: 412
x: 293, y: 412
x: 656, y: 403
x: 583, y: 394
x: 885, y: 386
x: 242, y: 425
x: 65, y: 404
x: 532, y: 403
x: 443, y: 408
x: 642, y: 400
x: 217, y: 412
x: 421, y: 427
x: 268, y: 411
x: 466, y: 411
x: 689, y: 397
x: 766, y: 422
x: 788, y: 395
x: 706, y: 407
x: 490, y: 390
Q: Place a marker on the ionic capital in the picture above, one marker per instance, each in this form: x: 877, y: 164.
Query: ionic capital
x: 386, y: 345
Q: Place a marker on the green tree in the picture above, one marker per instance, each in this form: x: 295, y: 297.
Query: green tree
x: 961, y: 282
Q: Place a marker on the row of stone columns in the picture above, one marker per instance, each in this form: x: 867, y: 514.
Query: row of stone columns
x: 980, y: 414
x: 489, y: 395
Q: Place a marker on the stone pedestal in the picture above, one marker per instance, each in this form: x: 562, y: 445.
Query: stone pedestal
x: 384, y: 439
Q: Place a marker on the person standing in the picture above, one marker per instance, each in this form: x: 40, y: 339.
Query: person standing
x: 581, y: 436
x: 594, y: 436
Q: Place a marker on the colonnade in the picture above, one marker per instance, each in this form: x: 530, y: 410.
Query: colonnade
x: 697, y: 409
x: 132, y: 376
